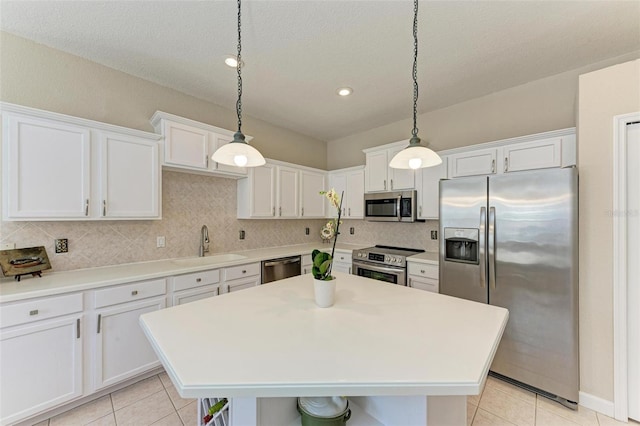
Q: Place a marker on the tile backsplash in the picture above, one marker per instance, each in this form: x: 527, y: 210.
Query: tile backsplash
x: 190, y: 201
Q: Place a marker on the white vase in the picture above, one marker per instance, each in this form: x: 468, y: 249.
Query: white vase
x: 325, y: 292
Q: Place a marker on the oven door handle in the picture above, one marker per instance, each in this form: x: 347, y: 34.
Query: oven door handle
x: 377, y: 267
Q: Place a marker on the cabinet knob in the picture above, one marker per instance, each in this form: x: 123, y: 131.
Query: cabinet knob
x: 493, y: 166
x: 34, y: 312
x: 391, y: 183
x: 198, y: 280
x: 506, y: 164
x: 244, y: 271
x: 302, y: 212
x: 86, y: 207
x: 422, y: 271
x: 104, y: 207
x: 280, y: 211
x: 349, y: 211
x: 273, y: 213
x: 134, y: 293
x: 385, y: 184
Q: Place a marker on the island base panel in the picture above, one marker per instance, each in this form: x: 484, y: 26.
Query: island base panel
x: 366, y: 411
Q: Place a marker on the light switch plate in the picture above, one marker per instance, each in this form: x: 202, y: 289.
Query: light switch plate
x: 7, y: 246
x: 160, y: 242
x: 434, y: 235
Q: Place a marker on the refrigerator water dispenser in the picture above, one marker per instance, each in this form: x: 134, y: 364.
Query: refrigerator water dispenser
x: 461, y: 245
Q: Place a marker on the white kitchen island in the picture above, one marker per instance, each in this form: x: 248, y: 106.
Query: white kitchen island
x: 402, y: 356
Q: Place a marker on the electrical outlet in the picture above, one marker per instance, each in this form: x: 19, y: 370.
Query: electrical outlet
x: 161, y: 242
x: 242, y: 234
x: 352, y: 230
x: 306, y: 231
x: 434, y: 235
x: 7, y: 246
x: 62, y: 245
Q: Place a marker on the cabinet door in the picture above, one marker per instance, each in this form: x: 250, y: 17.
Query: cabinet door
x: 312, y: 203
x: 130, y: 181
x: 339, y: 183
x: 218, y: 141
x: 287, y: 192
x: 428, y: 187
x: 122, y: 350
x: 186, y: 146
x: 241, y: 284
x: 400, y: 179
x: 376, y: 171
x: 46, y: 169
x: 532, y: 155
x: 473, y: 163
x: 421, y: 283
x: 188, y: 296
x: 41, y: 367
x: 262, y: 191
x: 355, y: 195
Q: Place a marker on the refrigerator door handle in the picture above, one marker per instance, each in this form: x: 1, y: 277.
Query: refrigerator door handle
x: 481, y: 244
x: 492, y: 247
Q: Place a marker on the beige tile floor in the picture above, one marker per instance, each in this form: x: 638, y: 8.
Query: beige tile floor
x: 154, y: 401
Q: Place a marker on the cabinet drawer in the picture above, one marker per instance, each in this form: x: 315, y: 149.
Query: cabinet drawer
x: 343, y: 257
x: 197, y: 279
x: 35, y: 310
x: 426, y: 284
x: 241, y: 271
x: 130, y: 292
x: 422, y: 270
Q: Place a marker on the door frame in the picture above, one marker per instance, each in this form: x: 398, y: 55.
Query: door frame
x: 620, y: 317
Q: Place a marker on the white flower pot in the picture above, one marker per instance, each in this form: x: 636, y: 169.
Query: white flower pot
x: 325, y: 292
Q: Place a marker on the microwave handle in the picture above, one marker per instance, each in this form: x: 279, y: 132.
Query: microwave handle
x: 398, y: 212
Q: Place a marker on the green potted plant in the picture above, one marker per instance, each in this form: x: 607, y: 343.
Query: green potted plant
x: 324, y: 283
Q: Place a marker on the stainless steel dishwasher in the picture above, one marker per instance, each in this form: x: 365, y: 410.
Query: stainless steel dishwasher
x: 279, y: 269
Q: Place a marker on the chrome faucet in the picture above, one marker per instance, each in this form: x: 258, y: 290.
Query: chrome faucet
x: 204, y: 239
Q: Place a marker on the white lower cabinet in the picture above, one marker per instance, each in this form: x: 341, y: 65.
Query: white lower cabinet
x: 41, y: 359
x: 307, y: 264
x: 342, y: 262
x: 423, y: 276
x: 191, y: 287
x: 121, y: 348
x: 241, y: 277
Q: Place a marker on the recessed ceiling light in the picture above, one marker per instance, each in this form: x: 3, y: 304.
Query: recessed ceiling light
x: 344, y: 91
x: 232, y: 62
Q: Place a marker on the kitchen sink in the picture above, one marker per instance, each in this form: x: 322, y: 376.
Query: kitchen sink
x: 208, y: 260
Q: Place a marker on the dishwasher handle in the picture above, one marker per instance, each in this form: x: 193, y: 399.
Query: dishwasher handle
x: 283, y: 262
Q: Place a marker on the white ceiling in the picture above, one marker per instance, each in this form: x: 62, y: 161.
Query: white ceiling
x: 297, y: 53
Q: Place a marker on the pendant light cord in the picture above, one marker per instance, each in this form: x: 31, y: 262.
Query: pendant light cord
x: 238, y: 68
x: 414, y: 132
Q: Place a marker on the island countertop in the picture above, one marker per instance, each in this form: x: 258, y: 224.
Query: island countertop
x: 378, y: 339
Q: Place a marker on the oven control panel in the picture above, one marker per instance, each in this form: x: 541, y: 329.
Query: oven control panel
x: 380, y: 258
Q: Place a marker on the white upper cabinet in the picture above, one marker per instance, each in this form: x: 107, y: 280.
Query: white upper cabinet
x: 312, y: 204
x: 379, y: 176
x: 428, y: 189
x: 186, y: 145
x: 539, y: 151
x: 474, y: 162
x: 532, y: 155
x: 127, y: 159
x: 47, y: 168
x: 351, y: 181
x: 57, y: 167
x: 189, y: 145
x: 287, y: 192
x: 281, y: 190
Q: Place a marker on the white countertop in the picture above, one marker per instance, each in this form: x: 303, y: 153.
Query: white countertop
x: 52, y: 283
x: 378, y: 339
x: 428, y: 257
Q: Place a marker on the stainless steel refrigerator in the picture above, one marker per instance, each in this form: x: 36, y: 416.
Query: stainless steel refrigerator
x: 511, y: 240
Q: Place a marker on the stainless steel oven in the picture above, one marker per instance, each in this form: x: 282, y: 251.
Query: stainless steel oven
x: 390, y: 274
x: 383, y: 263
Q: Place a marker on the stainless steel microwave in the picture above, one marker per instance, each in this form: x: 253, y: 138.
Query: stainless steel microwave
x: 399, y: 206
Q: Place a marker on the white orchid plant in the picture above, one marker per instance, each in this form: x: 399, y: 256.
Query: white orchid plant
x: 322, y: 261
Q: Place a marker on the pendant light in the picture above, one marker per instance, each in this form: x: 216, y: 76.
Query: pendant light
x: 415, y: 155
x: 238, y: 152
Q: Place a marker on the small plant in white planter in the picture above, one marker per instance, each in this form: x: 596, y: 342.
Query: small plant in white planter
x: 324, y: 283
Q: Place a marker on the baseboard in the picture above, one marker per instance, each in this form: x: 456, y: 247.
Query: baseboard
x: 597, y: 404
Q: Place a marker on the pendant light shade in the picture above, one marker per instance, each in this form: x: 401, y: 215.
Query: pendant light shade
x: 238, y: 152
x: 415, y: 156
